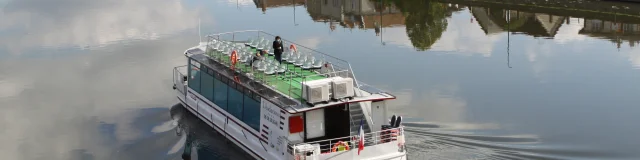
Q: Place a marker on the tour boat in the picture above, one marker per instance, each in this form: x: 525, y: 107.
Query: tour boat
x: 310, y: 106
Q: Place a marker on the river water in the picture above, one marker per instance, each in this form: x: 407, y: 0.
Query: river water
x: 91, y: 80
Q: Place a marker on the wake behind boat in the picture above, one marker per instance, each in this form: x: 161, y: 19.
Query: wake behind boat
x: 310, y: 106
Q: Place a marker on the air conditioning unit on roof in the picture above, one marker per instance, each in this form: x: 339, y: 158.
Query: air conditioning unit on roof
x: 316, y: 91
x: 342, y: 88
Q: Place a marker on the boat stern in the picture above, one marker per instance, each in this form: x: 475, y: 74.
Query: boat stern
x: 382, y: 145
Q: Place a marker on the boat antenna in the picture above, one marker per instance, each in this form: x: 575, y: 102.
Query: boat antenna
x: 199, y: 34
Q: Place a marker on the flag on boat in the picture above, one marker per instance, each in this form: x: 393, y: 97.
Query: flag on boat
x: 361, y: 138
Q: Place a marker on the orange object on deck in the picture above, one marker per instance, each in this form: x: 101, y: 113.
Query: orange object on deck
x: 338, y: 144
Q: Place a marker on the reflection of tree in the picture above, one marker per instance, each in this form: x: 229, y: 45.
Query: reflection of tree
x: 425, y: 21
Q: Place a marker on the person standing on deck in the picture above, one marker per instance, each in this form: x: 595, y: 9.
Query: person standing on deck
x: 278, y: 49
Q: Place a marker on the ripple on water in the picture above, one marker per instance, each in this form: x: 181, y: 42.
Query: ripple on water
x: 430, y: 141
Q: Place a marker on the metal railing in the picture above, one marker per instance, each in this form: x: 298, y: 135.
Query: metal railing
x: 336, y: 66
x: 370, y: 88
x: 370, y: 139
x: 179, y: 81
x: 243, y: 36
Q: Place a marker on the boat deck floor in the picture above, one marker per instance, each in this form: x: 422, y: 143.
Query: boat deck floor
x: 288, y: 83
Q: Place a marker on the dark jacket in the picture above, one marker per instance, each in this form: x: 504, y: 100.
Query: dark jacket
x: 258, y: 56
x: 278, y: 48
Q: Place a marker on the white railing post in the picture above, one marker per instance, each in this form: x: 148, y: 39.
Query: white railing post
x: 330, y: 146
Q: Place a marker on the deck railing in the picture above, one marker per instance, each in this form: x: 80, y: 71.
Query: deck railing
x: 333, y: 66
x: 243, y: 36
x: 179, y: 82
x: 370, y: 139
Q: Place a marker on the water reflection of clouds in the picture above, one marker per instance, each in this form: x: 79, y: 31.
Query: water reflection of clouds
x: 397, y: 36
x: 63, y: 100
x: 440, y: 106
x: 443, y: 105
x: 569, y: 32
x: 538, y: 54
x: 465, y: 37
x: 311, y: 42
x: 241, y: 2
x: 436, y: 104
x: 80, y: 23
x: 634, y: 57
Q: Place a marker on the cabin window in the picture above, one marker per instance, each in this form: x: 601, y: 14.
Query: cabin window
x: 315, y: 123
x: 206, y: 85
x: 237, y: 100
x: 251, y: 113
x: 219, y: 93
x: 194, y: 78
x: 235, y: 105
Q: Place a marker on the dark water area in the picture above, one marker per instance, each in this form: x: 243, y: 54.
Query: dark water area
x: 481, y: 79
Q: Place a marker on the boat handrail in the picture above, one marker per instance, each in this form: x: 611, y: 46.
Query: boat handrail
x: 334, y: 66
x: 308, y: 48
x: 354, y: 77
x: 370, y: 139
x: 340, y: 63
x: 371, y: 88
x: 243, y: 31
x: 178, y: 79
x: 216, y: 34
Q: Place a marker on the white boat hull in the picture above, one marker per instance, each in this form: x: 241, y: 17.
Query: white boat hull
x: 250, y: 143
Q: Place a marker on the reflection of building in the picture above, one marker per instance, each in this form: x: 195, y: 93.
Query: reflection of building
x: 500, y: 20
x: 616, y: 32
x: 362, y: 14
x: 264, y: 4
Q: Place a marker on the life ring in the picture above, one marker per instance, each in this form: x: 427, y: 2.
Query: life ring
x: 234, y: 57
x: 293, y: 47
x: 338, y: 144
x: 395, y: 132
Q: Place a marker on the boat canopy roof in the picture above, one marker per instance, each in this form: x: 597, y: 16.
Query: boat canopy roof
x: 281, y: 90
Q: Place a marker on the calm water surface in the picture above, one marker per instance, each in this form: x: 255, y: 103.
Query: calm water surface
x: 90, y: 79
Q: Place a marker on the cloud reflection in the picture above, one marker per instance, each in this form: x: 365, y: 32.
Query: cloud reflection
x: 438, y: 104
x: 465, y: 38
x: 90, y: 101
x: 89, y: 23
x: 634, y: 57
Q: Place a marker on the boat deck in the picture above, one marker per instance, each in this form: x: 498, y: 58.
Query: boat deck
x: 287, y: 83
x: 284, y: 90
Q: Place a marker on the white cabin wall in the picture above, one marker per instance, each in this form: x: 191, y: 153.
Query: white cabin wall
x: 274, y: 124
x: 378, y: 115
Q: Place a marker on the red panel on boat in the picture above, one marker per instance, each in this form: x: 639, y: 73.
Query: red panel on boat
x: 296, y: 124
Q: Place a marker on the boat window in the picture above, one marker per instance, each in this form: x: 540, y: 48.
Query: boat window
x: 194, y: 80
x: 315, y: 123
x: 236, y: 101
x: 219, y: 93
x: 206, y: 85
x: 251, y: 113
